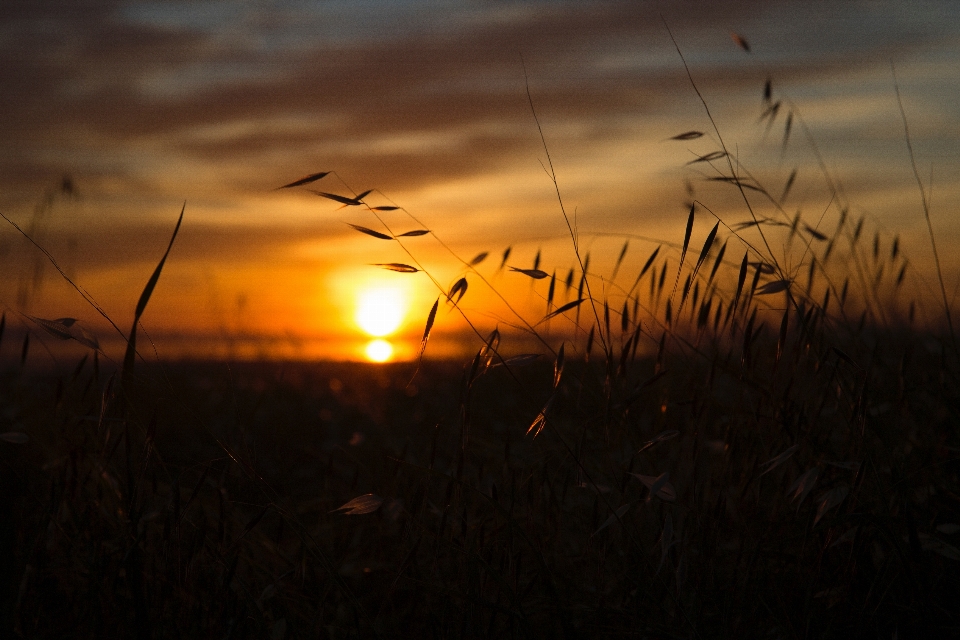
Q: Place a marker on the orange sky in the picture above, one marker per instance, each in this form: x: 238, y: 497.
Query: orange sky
x: 146, y: 106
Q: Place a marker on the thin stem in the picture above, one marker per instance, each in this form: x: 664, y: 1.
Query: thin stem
x: 926, y: 208
x: 556, y: 186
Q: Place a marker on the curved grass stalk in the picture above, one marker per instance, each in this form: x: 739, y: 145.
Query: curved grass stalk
x: 926, y: 212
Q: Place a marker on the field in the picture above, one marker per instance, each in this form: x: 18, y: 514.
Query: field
x: 208, y: 507
x: 780, y: 460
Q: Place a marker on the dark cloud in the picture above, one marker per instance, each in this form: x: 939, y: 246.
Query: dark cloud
x: 94, y: 81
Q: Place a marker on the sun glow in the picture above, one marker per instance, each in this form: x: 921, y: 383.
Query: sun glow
x: 379, y: 350
x: 380, y: 311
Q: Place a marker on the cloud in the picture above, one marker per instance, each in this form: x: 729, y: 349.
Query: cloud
x: 100, y: 81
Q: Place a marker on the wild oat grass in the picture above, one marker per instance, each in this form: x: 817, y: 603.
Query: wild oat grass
x: 743, y: 442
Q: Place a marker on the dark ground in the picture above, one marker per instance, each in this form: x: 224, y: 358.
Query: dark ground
x: 200, y: 502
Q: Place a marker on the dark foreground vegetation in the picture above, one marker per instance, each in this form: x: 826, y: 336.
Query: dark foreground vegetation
x: 203, y: 503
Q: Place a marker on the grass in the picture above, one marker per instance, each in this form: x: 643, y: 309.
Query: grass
x: 755, y: 436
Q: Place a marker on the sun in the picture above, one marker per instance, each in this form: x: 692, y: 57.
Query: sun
x: 380, y: 310
x: 379, y: 351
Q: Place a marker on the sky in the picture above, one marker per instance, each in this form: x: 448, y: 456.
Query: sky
x: 117, y: 114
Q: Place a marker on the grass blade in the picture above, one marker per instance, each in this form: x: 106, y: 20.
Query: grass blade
x: 813, y: 232
x: 552, y: 289
x: 776, y: 461
x: 539, y: 422
x: 786, y: 132
x: 426, y: 331
x: 396, y: 266
x: 686, y: 243
x: 131, y: 353
x: 457, y: 290
x: 367, y: 503
x: 740, y: 41
x: 659, y: 486
x: 773, y: 287
x: 706, y: 248
x: 423, y: 341
x: 536, y: 274
x: 558, y: 368
x: 66, y: 329
x: 740, y: 280
x: 710, y: 157
x: 371, y: 232
x: 57, y: 328
x: 521, y: 360
x: 788, y: 185
x: 506, y: 256
x: 344, y: 200
x: 313, y: 177
x: 649, y: 262
x: 616, y: 267
x: 736, y: 181
x: 717, y: 262
x: 613, y: 517
x: 660, y: 437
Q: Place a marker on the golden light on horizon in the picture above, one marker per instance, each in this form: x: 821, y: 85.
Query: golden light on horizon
x: 380, y: 310
x: 379, y: 350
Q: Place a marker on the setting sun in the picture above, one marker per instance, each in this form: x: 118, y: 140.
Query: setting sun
x: 380, y: 311
x: 379, y: 351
